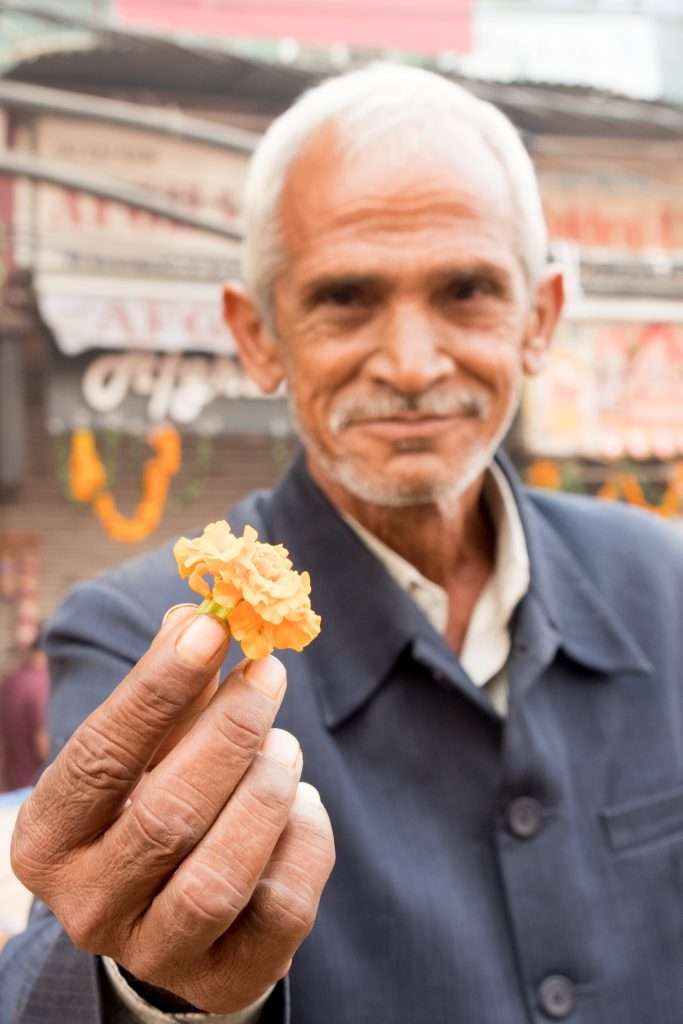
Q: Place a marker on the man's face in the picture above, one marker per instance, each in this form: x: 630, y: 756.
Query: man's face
x: 401, y: 315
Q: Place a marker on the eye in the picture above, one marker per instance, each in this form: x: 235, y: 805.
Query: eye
x: 344, y: 296
x: 467, y: 288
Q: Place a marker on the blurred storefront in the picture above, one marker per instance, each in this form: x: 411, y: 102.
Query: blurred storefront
x: 139, y: 423
x: 127, y: 337
x: 607, y: 409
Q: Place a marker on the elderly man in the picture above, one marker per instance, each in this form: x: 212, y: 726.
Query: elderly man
x: 492, y: 715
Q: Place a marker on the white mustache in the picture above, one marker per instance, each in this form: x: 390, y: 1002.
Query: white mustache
x: 391, y: 404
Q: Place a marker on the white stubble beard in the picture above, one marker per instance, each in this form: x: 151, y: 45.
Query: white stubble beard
x: 343, y: 471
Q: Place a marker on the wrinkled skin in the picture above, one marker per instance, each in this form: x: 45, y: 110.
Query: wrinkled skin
x: 172, y: 832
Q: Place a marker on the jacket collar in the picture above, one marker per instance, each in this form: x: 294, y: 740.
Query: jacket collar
x: 564, y: 605
x: 368, y: 622
x: 354, y: 653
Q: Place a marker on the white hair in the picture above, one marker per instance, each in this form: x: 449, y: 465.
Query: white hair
x: 379, y: 99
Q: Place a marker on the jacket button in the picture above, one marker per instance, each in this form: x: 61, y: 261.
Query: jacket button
x: 524, y: 817
x: 557, y: 996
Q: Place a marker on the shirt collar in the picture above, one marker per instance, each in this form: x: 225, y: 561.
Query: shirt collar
x: 487, y: 641
x: 368, y: 621
x: 428, y: 595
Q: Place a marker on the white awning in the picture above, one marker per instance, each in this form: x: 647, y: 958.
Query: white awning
x: 88, y: 313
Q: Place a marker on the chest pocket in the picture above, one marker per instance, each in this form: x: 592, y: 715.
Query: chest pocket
x: 646, y: 820
x: 644, y: 876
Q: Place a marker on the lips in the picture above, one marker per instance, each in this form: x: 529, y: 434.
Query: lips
x: 405, y: 426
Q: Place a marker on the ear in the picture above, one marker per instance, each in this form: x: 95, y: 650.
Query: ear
x: 259, y: 350
x: 548, y: 303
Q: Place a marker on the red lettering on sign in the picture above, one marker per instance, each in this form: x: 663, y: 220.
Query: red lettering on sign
x: 654, y: 226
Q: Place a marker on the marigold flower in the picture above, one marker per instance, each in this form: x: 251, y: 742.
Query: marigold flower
x: 264, y: 600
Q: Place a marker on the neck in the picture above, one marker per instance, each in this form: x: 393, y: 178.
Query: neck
x: 442, y: 539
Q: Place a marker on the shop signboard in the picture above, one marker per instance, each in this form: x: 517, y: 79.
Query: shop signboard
x: 613, y: 196
x: 130, y: 354
x: 131, y: 391
x: 70, y: 231
x: 430, y: 26
x: 131, y: 300
x: 609, y: 391
x: 94, y: 312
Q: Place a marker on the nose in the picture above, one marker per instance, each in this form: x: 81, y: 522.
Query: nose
x: 411, y: 355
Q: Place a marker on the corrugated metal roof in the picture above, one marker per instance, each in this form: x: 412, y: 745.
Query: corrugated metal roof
x: 202, y: 77
x: 166, y: 68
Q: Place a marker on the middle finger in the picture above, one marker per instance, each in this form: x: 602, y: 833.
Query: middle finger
x: 178, y: 801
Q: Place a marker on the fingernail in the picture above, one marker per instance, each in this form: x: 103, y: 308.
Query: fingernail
x: 201, y: 641
x: 281, y: 746
x: 267, y: 675
x: 170, y: 614
x: 307, y: 794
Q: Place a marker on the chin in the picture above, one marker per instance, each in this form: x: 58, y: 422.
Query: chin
x: 403, y: 489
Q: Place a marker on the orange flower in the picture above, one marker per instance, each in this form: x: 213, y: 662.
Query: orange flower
x: 87, y: 475
x: 264, y: 600
x: 544, y: 473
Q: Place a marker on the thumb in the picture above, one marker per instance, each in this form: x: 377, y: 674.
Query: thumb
x: 175, y: 619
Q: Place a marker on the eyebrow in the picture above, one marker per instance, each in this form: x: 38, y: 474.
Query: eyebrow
x: 479, y: 270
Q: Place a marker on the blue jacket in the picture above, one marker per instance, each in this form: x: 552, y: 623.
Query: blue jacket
x: 488, y: 871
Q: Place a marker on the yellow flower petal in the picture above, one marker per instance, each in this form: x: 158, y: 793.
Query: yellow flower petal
x: 270, y: 600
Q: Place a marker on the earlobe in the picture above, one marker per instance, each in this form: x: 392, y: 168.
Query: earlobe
x: 258, y: 349
x: 549, y: 301
x: 534, y: 357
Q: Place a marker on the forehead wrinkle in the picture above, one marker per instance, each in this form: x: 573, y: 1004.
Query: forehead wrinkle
x: 412, y: 210
x: 408, y: 212
x: 389, y: 188
x: 382, y: 259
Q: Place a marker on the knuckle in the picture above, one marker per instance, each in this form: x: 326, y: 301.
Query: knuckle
x: 167, y: 827
x: 161, y: 693
x: 210, y: 896
x: 26, y: 857
x: 85, y: 922
x: 266, y: 794
x: 284, y: 910
x: 96, y: 760
x: 242, y: 728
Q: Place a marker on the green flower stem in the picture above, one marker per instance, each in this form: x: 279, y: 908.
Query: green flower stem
x: 211, y: 607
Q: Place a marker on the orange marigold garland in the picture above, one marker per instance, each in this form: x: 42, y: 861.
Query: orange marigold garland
x: 88, y: 479
x: 544, y: 473
x: 256, y: 591
x: 625, y: 486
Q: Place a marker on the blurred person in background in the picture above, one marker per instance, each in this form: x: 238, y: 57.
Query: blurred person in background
x: 493, y: 712
x: 23, y: 733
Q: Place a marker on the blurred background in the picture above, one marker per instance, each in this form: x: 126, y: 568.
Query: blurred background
x: 125, y: 129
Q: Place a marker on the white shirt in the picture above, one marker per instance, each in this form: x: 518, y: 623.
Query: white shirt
x: 484, y: 656
x: 486, y: 645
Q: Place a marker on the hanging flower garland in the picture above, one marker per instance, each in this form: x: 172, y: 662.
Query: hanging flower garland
x: 88, y: 483
x: 544, y: 473
x: 624, y: 486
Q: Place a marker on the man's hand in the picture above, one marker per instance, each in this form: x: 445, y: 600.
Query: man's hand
x: 173, y: 835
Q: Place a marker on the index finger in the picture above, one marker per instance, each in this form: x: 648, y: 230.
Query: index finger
x: 83, y: 791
